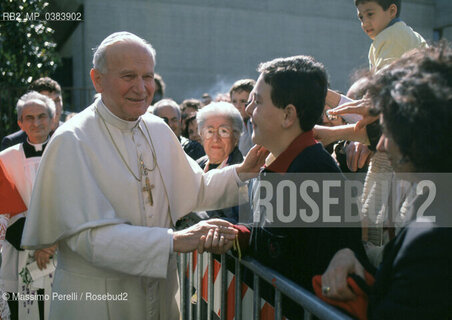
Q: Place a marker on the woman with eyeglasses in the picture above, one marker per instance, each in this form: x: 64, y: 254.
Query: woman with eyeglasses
x: 220, y: 126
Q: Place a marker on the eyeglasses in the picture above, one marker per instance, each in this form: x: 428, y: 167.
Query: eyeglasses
x: 223, y: 132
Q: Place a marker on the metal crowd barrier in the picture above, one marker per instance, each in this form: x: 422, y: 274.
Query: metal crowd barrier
x: 193, y: 286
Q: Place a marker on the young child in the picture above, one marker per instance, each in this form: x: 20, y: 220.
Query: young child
x: 391, y: 39
x: 380, y: 20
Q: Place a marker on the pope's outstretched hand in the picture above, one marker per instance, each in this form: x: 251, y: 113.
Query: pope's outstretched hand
x: 253, y: 163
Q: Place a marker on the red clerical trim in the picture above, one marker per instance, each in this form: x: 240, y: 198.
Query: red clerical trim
x: 282, y: 163
x: 10, y: 200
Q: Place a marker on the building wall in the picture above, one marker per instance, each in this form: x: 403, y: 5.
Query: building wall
x: 205, y: 45
x: 443, y: 18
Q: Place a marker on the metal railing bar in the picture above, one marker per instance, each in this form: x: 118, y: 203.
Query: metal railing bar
x: 256, y: 298
x: 307, y: 315
x: 299, y: 295
x: 210, y: 287
x: 238, y: 291
x: 224, y: 287
x: 183, y: 291
x: 278, y: 307
x: 199, y: 290
x: 190, y: 286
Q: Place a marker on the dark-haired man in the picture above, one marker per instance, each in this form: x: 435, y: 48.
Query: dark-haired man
x: 286, y: 102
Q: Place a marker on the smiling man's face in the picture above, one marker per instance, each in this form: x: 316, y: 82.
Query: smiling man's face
x: 128, y: 85
x: 266, y: 117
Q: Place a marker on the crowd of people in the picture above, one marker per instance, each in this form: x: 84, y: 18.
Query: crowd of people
x: 103, y: 202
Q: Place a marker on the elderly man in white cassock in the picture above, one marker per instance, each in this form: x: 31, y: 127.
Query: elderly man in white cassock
x: 112, y: 183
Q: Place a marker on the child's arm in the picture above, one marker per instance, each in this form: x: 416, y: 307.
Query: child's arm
x: 334, y: 99
x: 328, y: 135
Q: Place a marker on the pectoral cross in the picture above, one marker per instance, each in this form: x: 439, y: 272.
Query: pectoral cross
x: 149, y: 188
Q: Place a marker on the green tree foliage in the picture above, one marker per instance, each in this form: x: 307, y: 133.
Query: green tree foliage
x: 27, y: 52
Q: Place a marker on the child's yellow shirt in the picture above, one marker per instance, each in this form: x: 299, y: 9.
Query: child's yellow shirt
x: 391, y: 43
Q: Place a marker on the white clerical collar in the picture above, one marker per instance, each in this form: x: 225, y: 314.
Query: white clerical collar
x: 113, y: 119
x: 38, y: 146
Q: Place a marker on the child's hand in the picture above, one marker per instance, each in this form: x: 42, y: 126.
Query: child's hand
x: 356, y: 107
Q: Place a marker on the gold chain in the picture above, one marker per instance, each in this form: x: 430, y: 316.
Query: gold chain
x: 145, y: 170
x: 154, y: 158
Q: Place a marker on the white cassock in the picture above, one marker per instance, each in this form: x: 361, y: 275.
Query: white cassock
x: 22, y: 170
x: 111, y: 240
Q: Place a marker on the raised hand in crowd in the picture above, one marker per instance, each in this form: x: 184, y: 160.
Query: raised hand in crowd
x: 327, y: 135
x: 358, y: 155
x: 360, y: 107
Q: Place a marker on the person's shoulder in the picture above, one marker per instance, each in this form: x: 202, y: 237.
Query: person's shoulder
x: 314, y: 159
x: 12, y: 149
x: 193, y: 148
x: 426, y: 230
x: 399, y: 35
x: 190, y: 143
x: 417, y: 263
x: 10, y: 155
x: 184, y: 141
x: 153, y: 123
x: 235, y: 157
x: 424, y: 240
x: 158, y: 127
x: 15, y: 135
x: 13, y: 138
x: 202, y: 161
x: 79, y: 127
x: 152, y: 119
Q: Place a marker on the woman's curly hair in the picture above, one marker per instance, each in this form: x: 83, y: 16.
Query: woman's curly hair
x: 414, y: 94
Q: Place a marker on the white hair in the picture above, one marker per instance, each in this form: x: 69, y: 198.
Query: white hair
x: 99, y: 62
x: 222, y: 109
x: 34, y: 96
x: 166, y: 103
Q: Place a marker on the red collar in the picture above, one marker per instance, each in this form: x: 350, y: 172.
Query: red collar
x: 282, y: 163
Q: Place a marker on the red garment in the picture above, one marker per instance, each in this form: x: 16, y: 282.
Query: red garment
x: 358, y: 307
x: 10, y: 200
x: 243, y: 236
x: 281, y: 164
x: 285, y: 159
